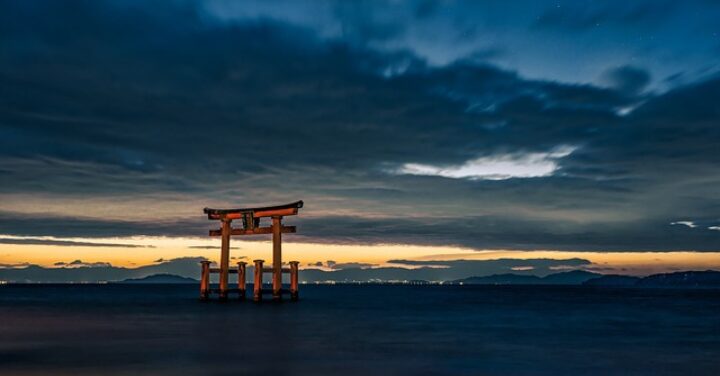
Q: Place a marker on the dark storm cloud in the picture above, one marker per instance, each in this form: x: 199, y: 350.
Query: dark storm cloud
x: 508, y: 232
x: 68, y: 227
x: 15, y: 265
x: 565, y: 41
x: 68, y: 243
x: 137, y: 99
x: 352, y: 265
x: 330, y: 264
x: 627, y: 79
x: 81, y: 264
x: 208, y: 247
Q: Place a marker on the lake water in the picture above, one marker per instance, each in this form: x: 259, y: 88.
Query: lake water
x: 360, y: 330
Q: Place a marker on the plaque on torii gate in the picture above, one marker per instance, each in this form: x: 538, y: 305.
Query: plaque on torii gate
x: 251, y: 225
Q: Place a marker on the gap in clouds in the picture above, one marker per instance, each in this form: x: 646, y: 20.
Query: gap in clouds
x: 496, y: 167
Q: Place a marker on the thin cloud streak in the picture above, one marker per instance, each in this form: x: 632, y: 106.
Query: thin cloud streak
x: 4, y: 239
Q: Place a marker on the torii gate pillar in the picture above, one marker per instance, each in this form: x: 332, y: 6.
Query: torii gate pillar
x: 224, y: 258
x: 277, y: 258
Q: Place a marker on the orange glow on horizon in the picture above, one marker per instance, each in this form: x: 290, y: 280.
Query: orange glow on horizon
x: 147, y: 250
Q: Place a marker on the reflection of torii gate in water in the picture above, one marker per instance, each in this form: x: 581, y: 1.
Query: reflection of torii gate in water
x: 251, y: 226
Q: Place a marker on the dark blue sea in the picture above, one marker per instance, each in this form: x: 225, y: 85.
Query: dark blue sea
x: 359, y: 330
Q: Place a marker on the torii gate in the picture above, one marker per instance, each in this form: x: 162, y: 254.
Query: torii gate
x: 251, y: 226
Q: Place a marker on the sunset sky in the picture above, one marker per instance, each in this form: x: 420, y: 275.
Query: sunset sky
x: 412, y: 130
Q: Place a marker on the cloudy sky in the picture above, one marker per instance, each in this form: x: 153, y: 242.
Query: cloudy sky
x: 413, y: 130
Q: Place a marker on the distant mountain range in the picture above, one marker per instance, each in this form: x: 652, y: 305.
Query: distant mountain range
x: 692, y: 279
x: 575, y: 277
x: 161, y: 279
x: 186, y: 270
x: 612, y: 280
x: 398, y: 271
x: 688, y: 279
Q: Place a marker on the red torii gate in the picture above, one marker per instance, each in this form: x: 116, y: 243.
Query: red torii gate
x: 251, y: 226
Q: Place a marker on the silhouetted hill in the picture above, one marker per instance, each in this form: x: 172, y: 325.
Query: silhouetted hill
x: 574, y: 277
x: 160, y: 278
x: 613, y: 280
x: 689, y: 279
x: 183, y: 266
x: 706, y: 278
x: 500, y: 279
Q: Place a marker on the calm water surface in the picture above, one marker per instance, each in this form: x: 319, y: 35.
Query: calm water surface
x: 360, y: 330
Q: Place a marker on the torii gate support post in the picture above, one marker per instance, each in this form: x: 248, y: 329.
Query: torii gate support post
x: 277, y: 258
x: 205, y: 281
x: 257, y: 282
x: 294, y: 280
x: 241, y: 280
x: 225, y: 258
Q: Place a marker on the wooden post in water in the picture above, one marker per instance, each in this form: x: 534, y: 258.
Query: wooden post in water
x: 224, y: 258
x: 241, y: 280
x: 277, y: 258
x: 257, y: 288
x: 205, y: 280
x: 294, y: 280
